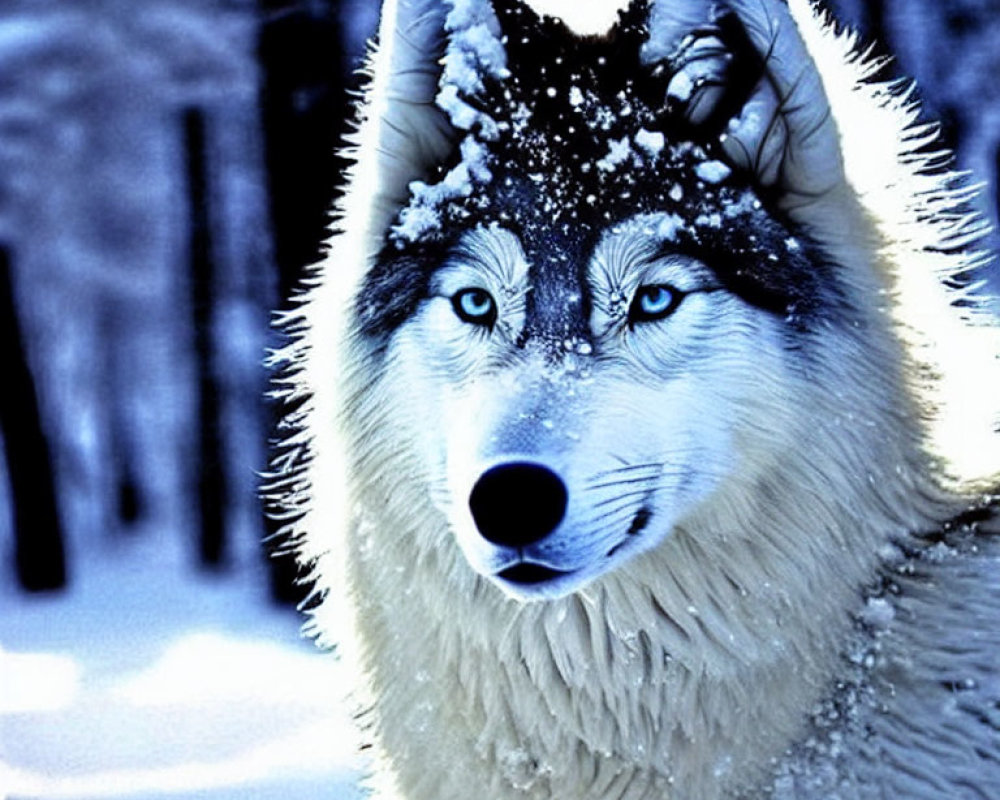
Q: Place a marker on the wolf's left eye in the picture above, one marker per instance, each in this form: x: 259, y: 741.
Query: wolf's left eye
x: 476, y: 306
x: 653, y: 302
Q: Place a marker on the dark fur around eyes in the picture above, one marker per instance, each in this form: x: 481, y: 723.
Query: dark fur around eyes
x: 394, y: 287
x: 549, y: 190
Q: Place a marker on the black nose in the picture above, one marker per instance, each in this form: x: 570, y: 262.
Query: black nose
x: 517, y: 504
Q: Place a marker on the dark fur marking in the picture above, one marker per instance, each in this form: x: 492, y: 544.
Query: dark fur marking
x: 640, y: 522
x: 395, y: 285
x: 567, y: 101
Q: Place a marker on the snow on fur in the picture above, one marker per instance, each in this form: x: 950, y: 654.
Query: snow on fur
x: 927, y: 237
x: 808, y: 633
x: 472, y: 53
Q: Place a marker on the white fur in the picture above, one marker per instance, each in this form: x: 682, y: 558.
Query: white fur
x: 954, y: 352
x: 688, y: 673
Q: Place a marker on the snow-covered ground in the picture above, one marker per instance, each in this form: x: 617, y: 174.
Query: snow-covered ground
x: 145, y: 680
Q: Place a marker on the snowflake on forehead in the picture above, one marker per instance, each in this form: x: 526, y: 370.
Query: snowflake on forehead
x: 570, y: 109
x: 580, y: 124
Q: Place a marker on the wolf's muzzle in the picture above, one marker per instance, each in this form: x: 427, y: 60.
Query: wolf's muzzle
x: 518, y: 503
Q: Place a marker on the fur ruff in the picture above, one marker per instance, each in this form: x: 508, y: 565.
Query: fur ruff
x: 814, y: 586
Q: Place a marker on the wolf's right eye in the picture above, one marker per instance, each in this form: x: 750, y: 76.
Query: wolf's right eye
x: 654, y: 302
x: 476, y: 306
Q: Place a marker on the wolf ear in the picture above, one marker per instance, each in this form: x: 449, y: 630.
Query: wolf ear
x: 404, y: 133
x: 430, y: 62
x: 432, y: 58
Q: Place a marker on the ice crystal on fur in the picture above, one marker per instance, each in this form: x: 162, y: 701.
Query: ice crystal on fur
x: 473, y: 54
x: 570, y: 121
x: 423, y: 215
x: 753, y: 590
x: 713, y: 171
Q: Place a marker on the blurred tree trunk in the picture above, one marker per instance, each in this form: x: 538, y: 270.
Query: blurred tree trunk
x: 304, y: 104
x: 128, y: 503
x: 38, y: 536
x: 875, y: 25
x: 209, y: 466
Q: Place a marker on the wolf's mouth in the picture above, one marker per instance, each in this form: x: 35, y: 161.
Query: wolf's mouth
x: 527, y: 574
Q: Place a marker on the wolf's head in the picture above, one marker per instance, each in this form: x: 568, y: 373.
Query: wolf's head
x: 577, y: 333
x: 590, y: 325
x: 571, y: 346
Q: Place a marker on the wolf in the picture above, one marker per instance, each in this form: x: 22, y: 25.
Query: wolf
x: 643, y: 415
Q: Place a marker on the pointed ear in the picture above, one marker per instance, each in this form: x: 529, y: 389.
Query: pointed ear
x: 404, y: 133
x: 431, y: 58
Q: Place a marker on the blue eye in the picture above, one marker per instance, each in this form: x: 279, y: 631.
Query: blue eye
x: 476, y: 306
x: 653, y: 302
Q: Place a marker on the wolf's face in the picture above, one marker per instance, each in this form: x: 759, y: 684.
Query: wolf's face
x: 571, y: 424
x: 588, y: 323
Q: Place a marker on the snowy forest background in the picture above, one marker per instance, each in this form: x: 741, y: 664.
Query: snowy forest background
x: 165, y: 170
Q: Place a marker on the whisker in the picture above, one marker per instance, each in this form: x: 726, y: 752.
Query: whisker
x: 623, y: 482
x: 611, y: 519
x: 623, y: 496
x: 630, y: 468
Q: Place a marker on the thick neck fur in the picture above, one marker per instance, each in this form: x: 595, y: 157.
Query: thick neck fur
x: 722, y: 639
x: 655, y: 675
x: 652, y: 677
